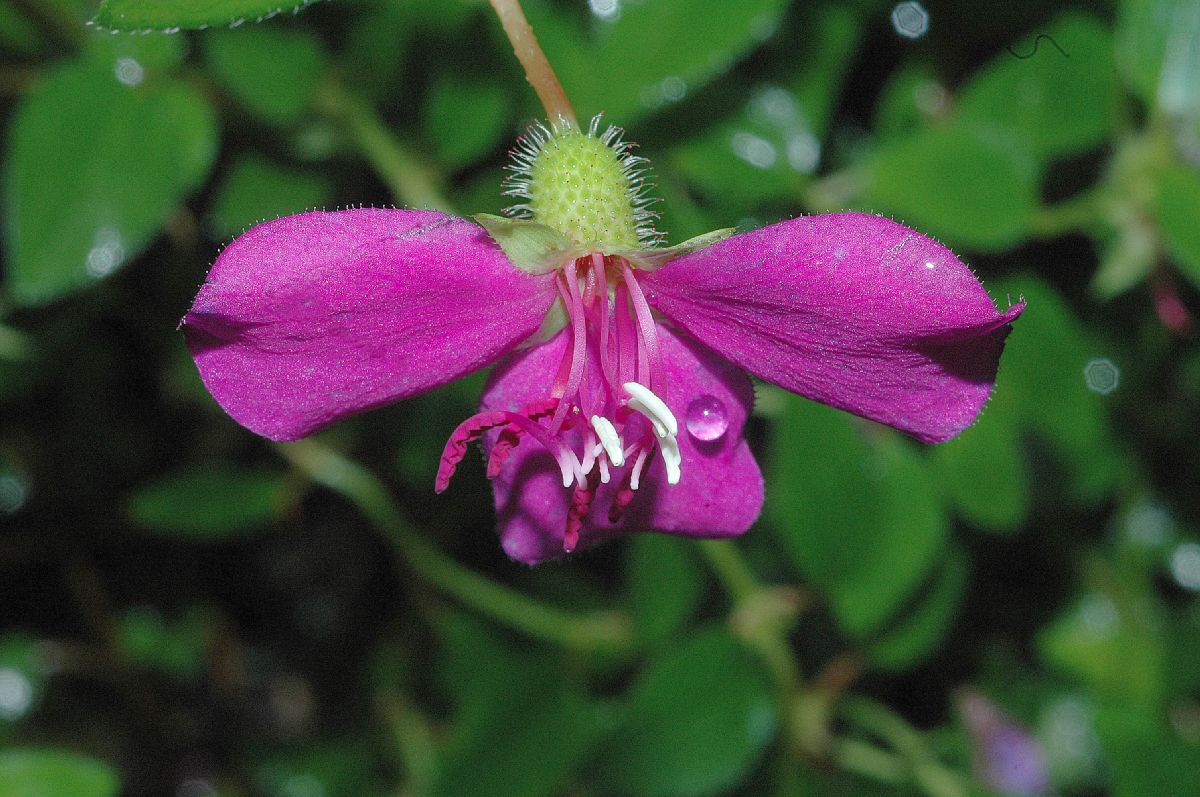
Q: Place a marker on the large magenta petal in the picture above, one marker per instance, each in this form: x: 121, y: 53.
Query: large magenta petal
x: 310, y: 318
x: 852, y: 310
x: 719, y: 494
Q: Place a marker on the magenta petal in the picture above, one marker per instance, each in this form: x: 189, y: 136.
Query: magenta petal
x: 310, y: 318
x: 721, y: 489
x: 852, y: 310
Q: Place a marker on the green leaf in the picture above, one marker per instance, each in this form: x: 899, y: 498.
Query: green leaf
x: 1177, y: 209
x: 654, y: 54
x: 466, y: 119
x: 547, y: 723
x: 983, y: 470
x: 698, y: 719
x: 23, y: 672
x: 1158, y: 50
x: 1050, y: 104
x: 1110, y: 644
x: 94, y: 168
x: 954, y: 184
x: 30, y: 772
x: 863, y: 519
x: 534, y: 248
x: 918, y: 634
x: 767, y: 150
x: 173, y: 15
x: 209, y: 504
x: 333, y: 768
x: 256, y: 189
x: 1043, y: 373
x: 910, y: 101
x: 665, y: 585
x: 273, y: 72
x: 175, y: 648
x: 1146, y: 756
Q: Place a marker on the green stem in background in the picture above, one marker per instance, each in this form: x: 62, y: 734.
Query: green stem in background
x: 1080, y: 212
x: 538, y: 71
x: 604, y: 632
x: 408, y: 176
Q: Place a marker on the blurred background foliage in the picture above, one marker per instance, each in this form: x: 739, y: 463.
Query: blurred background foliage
x: 188, y: 610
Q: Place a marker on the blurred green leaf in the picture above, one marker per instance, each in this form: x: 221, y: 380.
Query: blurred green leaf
x: 1110, y: 644
x: 1146, y: 757
x: 910, y: 101
x: 22, y: 676
x: 273, y: 72
x: 768, y: 149
x: 1043, y: 372
x: 665, y: 585
x: 151, y: 53
x: 173, y: 15
x: 466, y: 119
x: 546, y: 723
x: 1158, y: 50
x: 29, y: 772
x: 983, y: 470
x: 94, y: 168
x: 1177, y: 211
x: 174, y: 648
x: 256, y: 190
x: 916, y: 635
x: 208, y: 504
x: 1048, y: 104
x: 954, y: 184
x: 861, y: 516
x: 698, y: 719
x: 638, y: 62
x: 336, y: 768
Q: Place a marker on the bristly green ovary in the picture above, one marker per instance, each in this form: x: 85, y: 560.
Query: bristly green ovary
x: 586, y: 186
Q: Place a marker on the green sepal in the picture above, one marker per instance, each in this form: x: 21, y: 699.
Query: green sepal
x: 534, y: 248
x: 651, y: 259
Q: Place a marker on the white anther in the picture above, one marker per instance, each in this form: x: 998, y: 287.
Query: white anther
x: 671, y: 457
x: 603, y: 465
x: 609, y: 439
x: 642, y: 399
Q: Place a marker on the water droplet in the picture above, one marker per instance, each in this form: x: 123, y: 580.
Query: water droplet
x: 607, y: 10
x: 16, y: 694
x: 129, y: 72
x: 106, y: 254
x: 707, y: 419
x: 910, y: 20
x: 1101, y: 376
x: 753, y: 149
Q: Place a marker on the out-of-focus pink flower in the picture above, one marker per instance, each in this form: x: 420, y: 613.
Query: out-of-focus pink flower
x: 1006, y: 758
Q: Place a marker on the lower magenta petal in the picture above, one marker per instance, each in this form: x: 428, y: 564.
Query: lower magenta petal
x: 721, y: 489
x: 310, y: 318
x: 852, y: 310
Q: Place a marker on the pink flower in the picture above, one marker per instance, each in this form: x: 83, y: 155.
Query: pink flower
x: 630, y: 417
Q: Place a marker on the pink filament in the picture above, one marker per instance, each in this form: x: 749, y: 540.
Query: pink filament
x: 578, y: 344
x: 649, y: 366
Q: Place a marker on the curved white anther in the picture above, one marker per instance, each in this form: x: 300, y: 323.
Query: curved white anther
x: 671, y: 457
x: 609, y: 439
x: 602, y: 463
x: 642, y: 399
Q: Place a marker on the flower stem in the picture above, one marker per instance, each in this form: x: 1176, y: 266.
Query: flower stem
x: 603, y: 632
x: 408, y: 176
x: 538, y: 71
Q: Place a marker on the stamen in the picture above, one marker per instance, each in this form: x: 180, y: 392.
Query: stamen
x: 609, y: 438
x: 671, y: 457
x: 642, y: 399
x: 581, y: 506
x: 456, y: 447
x: 578, y: 344
x: 649, y: 366
x: 635, y: 475
x: 603, y: 463
x: 626, y: 335
x: 568, y: 463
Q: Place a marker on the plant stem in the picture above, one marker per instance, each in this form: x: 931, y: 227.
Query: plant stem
x: 604, y: 632
x: 538, y: 71
x: 411, y: 181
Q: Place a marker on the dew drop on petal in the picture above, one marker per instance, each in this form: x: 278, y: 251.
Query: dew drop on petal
x: 707, y: 419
